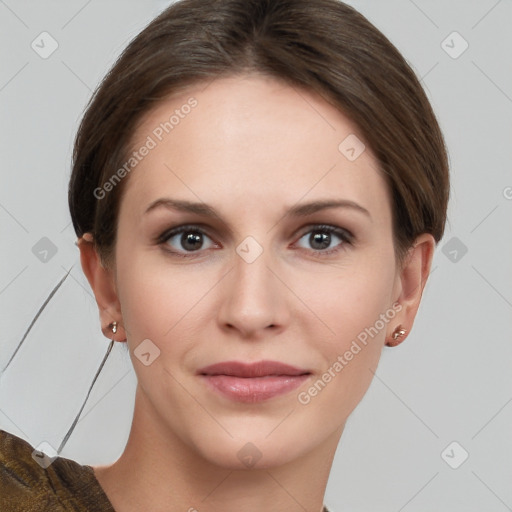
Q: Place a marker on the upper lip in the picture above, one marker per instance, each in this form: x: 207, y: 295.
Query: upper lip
x: 258, y: 369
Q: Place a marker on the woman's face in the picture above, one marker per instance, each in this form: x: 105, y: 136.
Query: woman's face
x: 257, y: 274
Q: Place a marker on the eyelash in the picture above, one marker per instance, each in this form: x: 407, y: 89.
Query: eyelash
x: 343, y: 234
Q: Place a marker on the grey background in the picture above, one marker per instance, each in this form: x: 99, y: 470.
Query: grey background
x: 450, y: 381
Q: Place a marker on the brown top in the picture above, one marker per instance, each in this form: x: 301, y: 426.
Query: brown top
x: 26, y: 485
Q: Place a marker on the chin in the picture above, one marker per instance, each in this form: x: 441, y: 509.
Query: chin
x: 252, y: 448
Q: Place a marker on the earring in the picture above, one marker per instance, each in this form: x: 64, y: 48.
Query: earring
x: 398, y: 333
x: 113, y: 327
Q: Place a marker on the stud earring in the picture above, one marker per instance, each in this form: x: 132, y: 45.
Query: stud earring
x: 113, y: 327
x: 398, y: 333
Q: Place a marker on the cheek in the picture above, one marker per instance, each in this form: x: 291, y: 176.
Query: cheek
x: 161, y: 304
x: 356, y: 307
x: 363, y: 316
x: 160, y: 300
x: 348, y: 300
x: 145, y: 294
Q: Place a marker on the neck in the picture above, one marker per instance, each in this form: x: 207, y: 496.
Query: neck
x: 158, y: 471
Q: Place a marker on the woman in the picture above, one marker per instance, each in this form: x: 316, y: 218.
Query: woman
x: 257, y: 189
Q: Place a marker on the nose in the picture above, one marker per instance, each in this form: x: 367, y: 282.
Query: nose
x: 253, y: 301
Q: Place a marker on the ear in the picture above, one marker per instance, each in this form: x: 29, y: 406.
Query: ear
x: 410, y: 283
x: 103, y: 285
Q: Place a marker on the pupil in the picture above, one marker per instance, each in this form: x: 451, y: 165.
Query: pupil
x: 323, y: 239
x: 191, y: 241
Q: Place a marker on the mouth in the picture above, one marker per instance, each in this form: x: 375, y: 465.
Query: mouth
x: 254, y: 382
x: 252, y: 370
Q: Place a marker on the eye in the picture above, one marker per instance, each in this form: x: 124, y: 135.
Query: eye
x: 321, y: 238
x: 188, y: 241
x: 185, y: 239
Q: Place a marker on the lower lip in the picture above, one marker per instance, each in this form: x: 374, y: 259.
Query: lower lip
x: 257, y: 389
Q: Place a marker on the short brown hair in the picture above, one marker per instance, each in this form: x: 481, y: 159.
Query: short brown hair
x: 324, y: 46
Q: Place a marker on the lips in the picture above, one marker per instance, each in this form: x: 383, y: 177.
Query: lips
x: 252, y: 382
x: 252, y: 370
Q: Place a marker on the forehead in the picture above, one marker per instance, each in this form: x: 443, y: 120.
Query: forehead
x: 250, y: 139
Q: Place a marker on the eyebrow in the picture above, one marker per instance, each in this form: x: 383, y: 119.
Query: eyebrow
x: 300, y: 210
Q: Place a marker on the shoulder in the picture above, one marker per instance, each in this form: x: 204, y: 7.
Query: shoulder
x: 32, y: 483
x: 22, y: 479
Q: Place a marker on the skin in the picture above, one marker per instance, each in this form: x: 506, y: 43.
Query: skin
x: 252, y: 148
